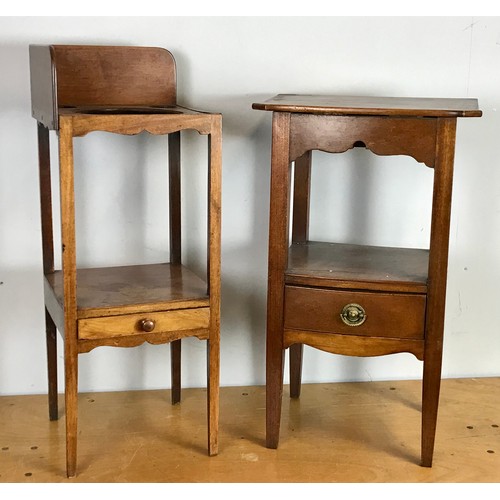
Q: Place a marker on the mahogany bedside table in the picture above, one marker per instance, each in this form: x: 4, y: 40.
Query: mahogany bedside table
x: 76, y: 90
x: 352, y: 299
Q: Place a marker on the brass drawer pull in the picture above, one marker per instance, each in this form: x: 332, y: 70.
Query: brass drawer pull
x: 147, y: 325
x: 353, y: 315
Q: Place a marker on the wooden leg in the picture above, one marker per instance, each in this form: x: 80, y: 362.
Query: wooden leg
x: 174, y: 182
x: 66, y: 181
x: 175, y: 369
x: 213, y: 277
x: 436, y: 293
x: 51, y: 332
x: 71, y: 399
x: 274, y: 393
x: 213, y: 363
x: 430, y: 400
x: 278, y: 254
x: 300, y: 234
x: 295, y: 369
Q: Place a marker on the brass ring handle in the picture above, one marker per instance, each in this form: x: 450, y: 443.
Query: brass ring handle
x: 147, y: 325
x: 353, y: 315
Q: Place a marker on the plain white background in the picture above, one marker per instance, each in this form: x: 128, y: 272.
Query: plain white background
x: 225, y: 64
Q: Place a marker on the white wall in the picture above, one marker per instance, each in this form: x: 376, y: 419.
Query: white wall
x: 225, y: 64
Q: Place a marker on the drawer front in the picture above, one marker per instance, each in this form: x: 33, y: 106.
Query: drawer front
x: 145, y: 323
x: 380, y: 315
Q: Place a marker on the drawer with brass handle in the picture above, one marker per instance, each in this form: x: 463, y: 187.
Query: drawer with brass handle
x: 394, y: 315
x: 155, y: 322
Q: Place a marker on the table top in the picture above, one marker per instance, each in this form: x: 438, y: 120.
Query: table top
x: 373, y: 106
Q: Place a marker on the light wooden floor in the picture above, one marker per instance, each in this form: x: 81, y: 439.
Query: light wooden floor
x: 348, y: 432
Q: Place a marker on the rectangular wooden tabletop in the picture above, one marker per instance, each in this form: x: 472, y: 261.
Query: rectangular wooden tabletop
x: 378, y: 106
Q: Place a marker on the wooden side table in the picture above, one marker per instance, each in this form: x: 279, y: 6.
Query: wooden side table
x: 352, y: 299
x: 123, y: 90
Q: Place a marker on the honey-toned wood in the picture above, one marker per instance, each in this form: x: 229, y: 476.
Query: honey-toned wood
x: 362, y: 267
x: 68, y: 242
x: 401, y: 290
x: 395, y: 315
x: 214, y: 286
x: 130, y: 124
x: 112, y: 291
x: 354, y: 345
x: 130, y: 324
x: 126, y: 90
x: 346, y: 433
x: 137, y: 339
x: 365, y: 105
x: 415, y: 137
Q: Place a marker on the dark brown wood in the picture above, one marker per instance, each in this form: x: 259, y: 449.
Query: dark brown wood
x: 114, y: 76
x: 377, y: 106
x: 402, y: 291
x: 415, y: 137
x: 45, y: 198
x: 436, y: 296
x: 301, y: 192
x: 300, y: 234
x: 51, y: 338
x: 295, y: 355
x: 395, y: 315
x: 175, y: 371
x: 362, y: 267
x: 111, y: 291
x: 174, y: 183
x: 278, y: 255
x: 124, y: 90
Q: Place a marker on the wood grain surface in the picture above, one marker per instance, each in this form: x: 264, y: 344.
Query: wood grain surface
x: 361, y: 105
x: 336, y: 433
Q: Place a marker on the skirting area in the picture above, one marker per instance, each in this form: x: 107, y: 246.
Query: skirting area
x: 345, y: 432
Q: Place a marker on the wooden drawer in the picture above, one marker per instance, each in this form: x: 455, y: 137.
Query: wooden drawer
x: 131, y: 324
x: 387, y: 315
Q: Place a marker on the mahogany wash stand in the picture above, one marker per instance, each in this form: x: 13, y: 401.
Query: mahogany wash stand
x: 123, y: 90
x: 352, y: 299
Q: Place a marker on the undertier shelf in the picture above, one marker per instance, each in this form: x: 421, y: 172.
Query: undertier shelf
x: 361, y: 267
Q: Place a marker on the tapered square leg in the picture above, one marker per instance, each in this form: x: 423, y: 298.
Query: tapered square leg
x: 51, y: 332
x: 296, y: 351
x: 175, y: 368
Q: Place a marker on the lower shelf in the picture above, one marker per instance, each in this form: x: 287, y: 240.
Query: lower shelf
x: 360, y: 267
x: 112, y: 291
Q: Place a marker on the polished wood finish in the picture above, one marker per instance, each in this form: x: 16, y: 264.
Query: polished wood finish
x: 395, y: 315
x: 438, y: 270
x: 401, y: 290
x: 278, y: 256
x: 381, y: 269
x: 371, y: 431
x: 111, y: 291
x: 179, y: 320
x: 376, y: 106
x: 125, y: 90
x: 382, y: 135
x: 82, y: 75
x: 174, y: 214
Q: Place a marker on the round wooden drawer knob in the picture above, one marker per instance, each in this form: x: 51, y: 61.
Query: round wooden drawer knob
x: 147, y: 325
